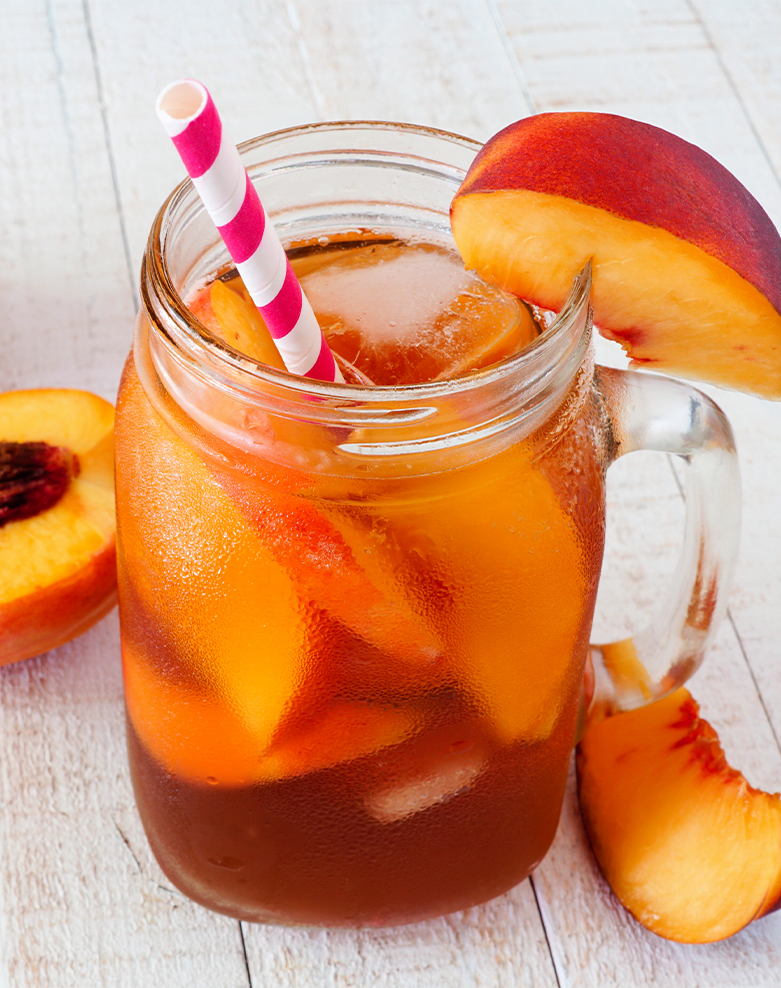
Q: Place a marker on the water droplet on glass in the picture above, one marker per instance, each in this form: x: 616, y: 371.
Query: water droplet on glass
x: 232, y: 864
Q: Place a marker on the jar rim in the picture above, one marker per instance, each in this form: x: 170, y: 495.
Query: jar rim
x: 182, y: 330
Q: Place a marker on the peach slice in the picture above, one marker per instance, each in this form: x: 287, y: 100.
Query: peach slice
x: 486, y: 539
x: 242, y: 326
x: 686, y: 263
x: 57, y: 527
x: 687, y: 845
x: 337, y: 568
x: 200, y: 572
x: 196, y: 736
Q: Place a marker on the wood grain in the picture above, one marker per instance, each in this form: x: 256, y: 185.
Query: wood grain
x: 84, y: 167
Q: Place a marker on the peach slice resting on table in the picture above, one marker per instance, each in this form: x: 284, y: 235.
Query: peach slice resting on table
x: 686, y: 263
x: 686, y: 844
x: 57, y: 527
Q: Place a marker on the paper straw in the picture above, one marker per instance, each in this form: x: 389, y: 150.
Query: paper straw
x: 190, y: 118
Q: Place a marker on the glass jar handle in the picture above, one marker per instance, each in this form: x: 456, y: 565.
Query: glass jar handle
x: 647, y: 412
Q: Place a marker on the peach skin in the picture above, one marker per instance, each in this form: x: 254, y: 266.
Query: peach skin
x: 686, y: 263
x: 57, y: 526
x: 686, y: 844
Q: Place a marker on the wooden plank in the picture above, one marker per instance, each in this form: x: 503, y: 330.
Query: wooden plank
x: 246, y: 55
x: 743, y: 35
x: 438, y: 64
x: 68, y: 314
x: 500, y: 944
x: 652, y: 62
x: 755, y: 604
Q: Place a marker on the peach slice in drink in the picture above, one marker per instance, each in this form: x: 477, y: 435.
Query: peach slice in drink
x: 192, y: 733
x: 324, y: 562
x: 202, y: 573
x: 345, y: 730
x: 518, y: 588
x: 196, y: 736
x: 524, y: 617
x: 242, y: 325
x: 497, y: 568
x: 243, y: 598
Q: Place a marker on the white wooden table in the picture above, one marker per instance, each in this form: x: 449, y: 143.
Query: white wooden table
x: 84, y: 166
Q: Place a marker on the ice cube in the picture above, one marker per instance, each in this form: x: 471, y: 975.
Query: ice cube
x: 407, y: 313
x: 435, y: 781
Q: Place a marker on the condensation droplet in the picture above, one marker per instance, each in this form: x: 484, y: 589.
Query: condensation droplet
x: 232, y: 864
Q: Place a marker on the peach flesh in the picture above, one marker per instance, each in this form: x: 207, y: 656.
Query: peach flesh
x: 686, y: 844
x: 57, y: 563
x: 687, y: 265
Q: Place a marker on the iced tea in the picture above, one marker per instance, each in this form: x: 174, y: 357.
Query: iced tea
x: 351, y: 687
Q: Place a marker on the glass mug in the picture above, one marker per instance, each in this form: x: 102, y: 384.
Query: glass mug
x: 355, y: 621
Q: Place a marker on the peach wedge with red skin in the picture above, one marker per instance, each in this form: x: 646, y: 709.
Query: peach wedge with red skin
x: 686, y: 844
x: 686, y: 263
x: 57, y: 525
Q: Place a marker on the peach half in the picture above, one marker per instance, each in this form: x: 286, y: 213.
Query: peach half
x: 57, y: 526
x: 686, y: 844
x: 686, y: 263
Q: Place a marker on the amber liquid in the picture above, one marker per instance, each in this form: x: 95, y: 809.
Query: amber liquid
x: 306, y: 851
x: 352, y: 704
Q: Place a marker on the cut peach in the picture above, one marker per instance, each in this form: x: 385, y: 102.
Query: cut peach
x: 200, y: 571
x: 57, y: 526
x: 687, y: 845
x: 242, y: 326
x: 686, y: 263
x: 196, y: 736
x: 487, y: 539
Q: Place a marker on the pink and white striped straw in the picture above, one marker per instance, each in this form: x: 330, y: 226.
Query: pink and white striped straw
x: 190, y: 118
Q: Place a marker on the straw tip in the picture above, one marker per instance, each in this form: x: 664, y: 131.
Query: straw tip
x: 180, y: 103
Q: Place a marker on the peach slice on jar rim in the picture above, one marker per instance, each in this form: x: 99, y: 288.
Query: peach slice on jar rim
x: 57, y: 524
x: 686, y: 263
